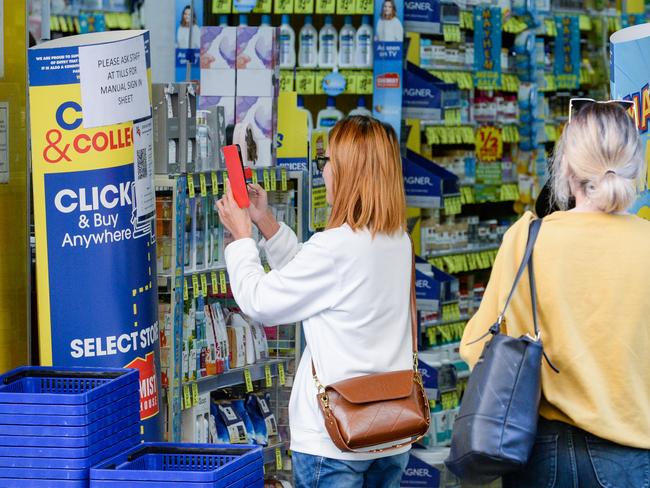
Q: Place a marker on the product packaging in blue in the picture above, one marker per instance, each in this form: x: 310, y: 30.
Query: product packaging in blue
x: 630, y: 80
x: 389, y: 56
x: 261, y: 434
x: 239, y: 407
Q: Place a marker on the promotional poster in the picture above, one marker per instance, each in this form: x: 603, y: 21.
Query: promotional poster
x: 567, y: 52
x: 188, y: 39
x: 94, y: 207
x: 487, y: 46
x: 630, y: 79
x: 388, y: 64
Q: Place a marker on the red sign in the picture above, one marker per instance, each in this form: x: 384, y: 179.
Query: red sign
x: 388, y: 80
x: 148, y: 385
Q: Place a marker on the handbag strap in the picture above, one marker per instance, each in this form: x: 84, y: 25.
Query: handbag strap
x: 533, y: 232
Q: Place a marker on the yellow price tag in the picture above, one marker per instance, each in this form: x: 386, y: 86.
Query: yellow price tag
x: 263, y: 7
x: 345, y: 7
x: 203, y: 185
x: 215, y: 183
x: 187, y: 397
x: 325, y: 6
x: 303, y: 6
x: 222, y: 282
x: 319, y: 77
x: 278, y: 459
x: 254, y: 177
x: 248, y: 380
x: 274, y: 180
x: 306, y: 81
x: 186, y: 290
x: 190, y: 185
x: 215, y: 283
x: 283, y: 177
x: 196, y: 291
x: 204, y: 285
x: 267, y: 180
x: 221, y: 6
x: 286, y: 80
x: 281, y: 376
x: 283, y: 6
x: 195, y: 394
x: 364, y: 7
x: 268, y: 379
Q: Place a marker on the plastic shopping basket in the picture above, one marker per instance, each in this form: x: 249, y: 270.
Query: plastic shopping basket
x: 190, y: 465
x: 62, y: 386
x: 121, y: 410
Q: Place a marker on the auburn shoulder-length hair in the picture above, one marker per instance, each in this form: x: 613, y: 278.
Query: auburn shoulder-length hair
x: 368, y: 187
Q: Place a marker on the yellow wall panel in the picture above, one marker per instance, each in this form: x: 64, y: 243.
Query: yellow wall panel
x: 14, y: 255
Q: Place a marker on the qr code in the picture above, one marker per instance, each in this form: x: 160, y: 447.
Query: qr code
x: 141, y: 163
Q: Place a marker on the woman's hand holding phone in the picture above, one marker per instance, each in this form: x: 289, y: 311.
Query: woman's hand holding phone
x: 260, y: 213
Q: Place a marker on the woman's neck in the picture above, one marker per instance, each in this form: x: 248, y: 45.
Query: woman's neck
x: 583, y: 204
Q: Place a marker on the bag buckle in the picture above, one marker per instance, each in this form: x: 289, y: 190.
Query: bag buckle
x: 415, y: 362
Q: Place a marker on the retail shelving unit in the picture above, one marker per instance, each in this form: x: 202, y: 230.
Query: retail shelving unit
x: 176, y: 284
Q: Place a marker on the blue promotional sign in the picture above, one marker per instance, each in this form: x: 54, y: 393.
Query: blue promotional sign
x: 630, y: 80
x: 388, y: 62
x: 425, y: 182
x: 94, y: 208
x: 425, y: 96
x: 567, y: 52
x: 422, y: 16
x: 188, y: 39
x: 427, y: 291
x: 334, y: 84
x: 419, y: 474
x: 487, y: 46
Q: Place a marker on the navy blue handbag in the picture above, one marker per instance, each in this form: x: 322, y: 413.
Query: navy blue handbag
x: 495, y: 429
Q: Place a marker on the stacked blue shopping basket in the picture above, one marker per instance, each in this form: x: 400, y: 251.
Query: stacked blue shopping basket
x: 158, y: 465
x: 55, y: 423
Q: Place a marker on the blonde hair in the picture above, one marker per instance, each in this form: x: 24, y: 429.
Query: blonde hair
x: 393, y: 12
x: 367, y: 181
x: 601, y: 151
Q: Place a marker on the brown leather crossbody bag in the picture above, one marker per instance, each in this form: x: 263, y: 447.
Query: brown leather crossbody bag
x: 377, y: 412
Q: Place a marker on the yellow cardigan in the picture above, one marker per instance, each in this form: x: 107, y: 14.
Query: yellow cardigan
x: 592, y: 274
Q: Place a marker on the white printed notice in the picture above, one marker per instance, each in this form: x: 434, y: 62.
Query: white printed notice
x: 145, y: 194
x: 4, y: 142
x: 114, y: 85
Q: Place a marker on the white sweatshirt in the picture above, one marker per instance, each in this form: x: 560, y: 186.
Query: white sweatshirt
x: 351, y: 292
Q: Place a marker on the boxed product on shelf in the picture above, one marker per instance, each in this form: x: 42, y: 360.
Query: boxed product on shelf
x: 196, y: 421
x: 426, y: 469
x: 255, y: 128
x: 218, y: 61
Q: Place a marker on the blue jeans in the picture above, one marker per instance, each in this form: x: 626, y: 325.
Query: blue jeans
x: 567, y: 457
x: 321, y: 472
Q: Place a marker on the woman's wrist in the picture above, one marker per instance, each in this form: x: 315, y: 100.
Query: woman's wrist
x: 267, y: 225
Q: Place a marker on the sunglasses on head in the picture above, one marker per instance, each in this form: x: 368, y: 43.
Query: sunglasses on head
x: 577, y: 104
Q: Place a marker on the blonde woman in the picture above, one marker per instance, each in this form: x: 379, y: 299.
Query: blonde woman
x: 592, y: 268
x: 349, y: 285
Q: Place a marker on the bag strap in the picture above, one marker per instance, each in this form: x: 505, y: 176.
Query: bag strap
x: 533, y: 232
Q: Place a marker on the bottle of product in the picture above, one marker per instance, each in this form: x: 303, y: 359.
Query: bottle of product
x: 307, y: 45
x: 266, y: 21
x: 363, y: 44
x: 327, y: 41
x: 361, y: 108
x: 310, y: 119
x: 329, y: 116
x: 287, y: 44
x: 223, y: 21
x: 243, y: 20
x: 347, y: 44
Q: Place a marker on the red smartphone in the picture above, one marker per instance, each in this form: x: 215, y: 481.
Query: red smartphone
x: 236, y: 174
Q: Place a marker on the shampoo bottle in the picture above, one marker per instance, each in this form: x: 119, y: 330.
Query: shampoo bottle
x: 361, y: 108
x: 347, y: 44
x: 327, y: 41
x: 363, y: 45
x: 307, y: 48
x: 329, y: 116
x: 287, y: 44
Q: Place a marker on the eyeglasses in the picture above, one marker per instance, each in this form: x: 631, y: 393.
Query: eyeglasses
x: 321, y: 162
x: 577, y: 104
